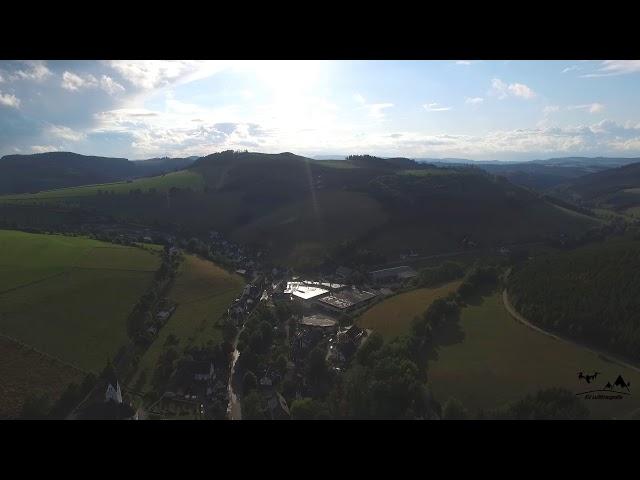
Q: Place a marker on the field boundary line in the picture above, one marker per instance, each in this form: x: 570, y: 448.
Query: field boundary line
x: 25, y: 285
x: 519, y: 318
x: 47, y: 355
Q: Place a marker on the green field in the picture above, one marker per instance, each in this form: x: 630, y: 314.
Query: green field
x: 162, y: 183
x: 69, y: 296
x: 203, y: 292
x: 393, y: 316
x: 24, y: 372
x: 489, y: 359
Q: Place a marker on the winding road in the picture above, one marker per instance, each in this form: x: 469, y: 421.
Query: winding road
x: 512, y: 311
x: 234, y: 410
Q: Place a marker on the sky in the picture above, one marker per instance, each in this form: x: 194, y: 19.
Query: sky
x: 480, y: 110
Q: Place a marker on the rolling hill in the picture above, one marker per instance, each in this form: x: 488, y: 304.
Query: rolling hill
x: 300, y: 209
x: 541, y: 175
x: 616, y: 188
x: 46, y: 171
x: 544, y: 175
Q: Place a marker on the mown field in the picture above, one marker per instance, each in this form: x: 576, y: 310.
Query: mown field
x: 24, y: 372
x: 393, y: 316
x: 489, y: 359
x: 161, y: 183
x: 69, y: 296
x: 203, y: 292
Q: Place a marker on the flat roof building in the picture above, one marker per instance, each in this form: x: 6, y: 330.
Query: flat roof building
x: 345, y: 300
x: 303, y: 291
x: 401, y: 273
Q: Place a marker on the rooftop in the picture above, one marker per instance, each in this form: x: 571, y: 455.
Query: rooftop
x: 303, y: 291
x: 318, y: 320
x: 347, y: 298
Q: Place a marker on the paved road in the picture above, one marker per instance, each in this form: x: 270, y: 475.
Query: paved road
x: 234, y: 409
x: 410, y: 260
x: 509, y: 308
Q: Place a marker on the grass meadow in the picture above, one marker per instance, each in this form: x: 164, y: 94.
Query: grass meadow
x: 203, y: 292
x: 490, y: 359
x: 69, y: 296
x: 162, y: 183
x: 393, y: 316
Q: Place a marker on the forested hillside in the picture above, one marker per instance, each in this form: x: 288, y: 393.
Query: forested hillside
x: 591, y: 294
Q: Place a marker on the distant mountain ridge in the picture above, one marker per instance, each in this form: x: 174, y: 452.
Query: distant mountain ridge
x: 51, y: 170
x: 556, y: 161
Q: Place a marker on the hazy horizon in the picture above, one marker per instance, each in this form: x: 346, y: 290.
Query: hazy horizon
x: 476, y: 110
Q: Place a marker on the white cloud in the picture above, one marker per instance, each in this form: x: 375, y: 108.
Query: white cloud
x: 474, y: 100
x: 1, y: 79
x: 73, y: 82
x: 605, y: 137
x: 463, y: 62
x: 435, y: 107
x: 591, y: 107
x: 37, y: 70
x: 149, y: 74
x: 521, y: 90
x: 551, y: 109
x: 9, y: 100
x: 376, y: 110
x: 110, y: 86
x: 609, y: 68
x: 65, y: 133
x: 503, y: 90
x: 44, y: 148
x: 570, y: 68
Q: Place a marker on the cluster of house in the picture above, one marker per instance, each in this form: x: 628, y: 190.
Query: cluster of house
x: 467, y: 242
x: 409, y: 254
x: 113, y: 405
x: 161, y: 317
x: 130, y: 233
x: 197, y: 381
x: 343, y: 342
x: 236, y: 255
x: 268, y: 378
x: 244, y: 303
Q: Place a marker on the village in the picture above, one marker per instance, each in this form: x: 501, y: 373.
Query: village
x: 318, y: 315
x: 310, y: 316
